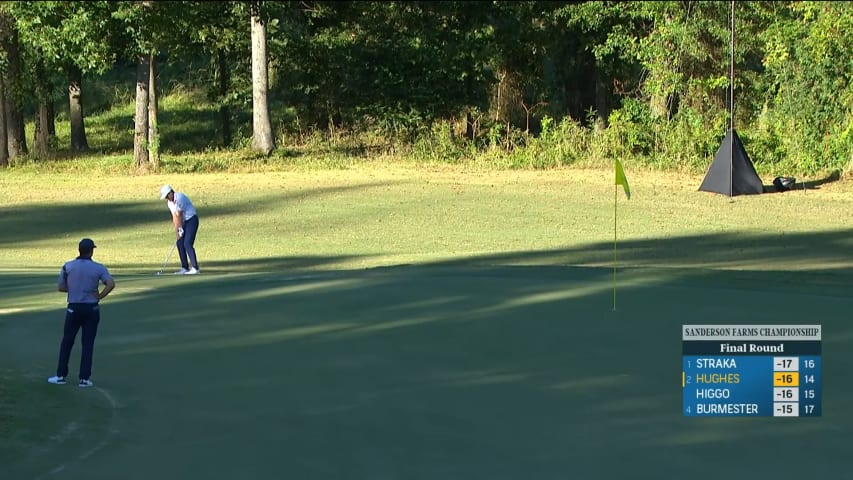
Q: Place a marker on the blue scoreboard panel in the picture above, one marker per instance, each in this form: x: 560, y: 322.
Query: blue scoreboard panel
x: 751, y: 370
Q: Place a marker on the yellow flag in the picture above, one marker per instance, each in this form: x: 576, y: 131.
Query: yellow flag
x: 621, y: 179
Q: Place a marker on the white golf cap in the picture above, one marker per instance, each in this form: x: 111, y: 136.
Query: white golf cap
x: 164, y: 190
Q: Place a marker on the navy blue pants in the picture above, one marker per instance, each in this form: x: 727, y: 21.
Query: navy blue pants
x: 77, y: 316
x: 186, y: 244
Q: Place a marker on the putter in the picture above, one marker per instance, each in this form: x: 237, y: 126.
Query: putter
x: 167, y: 259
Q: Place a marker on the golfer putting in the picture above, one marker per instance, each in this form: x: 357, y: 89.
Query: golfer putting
x: 185, y: 221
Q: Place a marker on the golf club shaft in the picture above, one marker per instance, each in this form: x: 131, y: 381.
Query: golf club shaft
x: 168, y: 257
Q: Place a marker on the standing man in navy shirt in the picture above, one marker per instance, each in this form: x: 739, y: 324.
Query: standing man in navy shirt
x: 185, y: 220
x: 81, y: 278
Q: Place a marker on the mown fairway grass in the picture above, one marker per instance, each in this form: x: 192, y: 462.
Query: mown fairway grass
x: 387, y: 214
x: 393, y: 321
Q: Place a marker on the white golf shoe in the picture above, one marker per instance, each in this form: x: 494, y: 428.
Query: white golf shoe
x: 182, y: 271
x: 192, y: 271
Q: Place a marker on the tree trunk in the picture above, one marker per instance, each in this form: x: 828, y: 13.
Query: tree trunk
x: 5, y: 22
x: 4, y: 147
x: 140, y: 132
x: 75, y: 110
x: 41, y: 147
x: 262, y: 139
x: 51, y: 120
x: 602, y: 109
x: 659, y: 104
x: 224, y: 111
x: 153, y: 131
x: 508, y: 99
x: 16, y: 137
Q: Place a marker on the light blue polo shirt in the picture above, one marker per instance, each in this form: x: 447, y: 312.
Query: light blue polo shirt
x: 82, y: 277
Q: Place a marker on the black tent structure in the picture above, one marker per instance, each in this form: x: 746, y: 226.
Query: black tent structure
x: 732, y: 172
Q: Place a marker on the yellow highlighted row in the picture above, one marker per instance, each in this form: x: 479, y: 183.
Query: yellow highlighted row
x: 780, y: 379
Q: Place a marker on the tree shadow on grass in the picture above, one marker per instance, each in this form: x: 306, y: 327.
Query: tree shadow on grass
x: 464, y: 363
x: 283, y: 266
x: 181, y: 131
x: 503, y: 367
x: 826, y: 252
x: 24, y: 223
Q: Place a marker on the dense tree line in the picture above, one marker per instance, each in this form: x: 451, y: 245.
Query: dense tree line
x: 650, y: 78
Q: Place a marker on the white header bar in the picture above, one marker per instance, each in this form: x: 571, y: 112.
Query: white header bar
x: 750, y: 332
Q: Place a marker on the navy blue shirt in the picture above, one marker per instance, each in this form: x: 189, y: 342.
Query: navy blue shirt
x: 82, y: 277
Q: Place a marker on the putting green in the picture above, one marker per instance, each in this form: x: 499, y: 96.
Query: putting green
x: 454, y: 370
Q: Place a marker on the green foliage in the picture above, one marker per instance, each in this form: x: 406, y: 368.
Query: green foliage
x: 440, y: 145
x: 398, y: 66
x: 78, y: 33
x: 812, y: 96
x: 690, y: 140
x: 559, y: 143
x: 552, y: 83
x: 630, y: 130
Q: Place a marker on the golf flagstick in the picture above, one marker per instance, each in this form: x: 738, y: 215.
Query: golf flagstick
x: 620, y: 180
x: 615, y: 202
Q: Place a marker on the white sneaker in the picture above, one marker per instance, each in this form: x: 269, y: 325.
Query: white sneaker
x: 182, y: 271
x: 192, y: 271
x: 85, y: 383
x: 56, y: 380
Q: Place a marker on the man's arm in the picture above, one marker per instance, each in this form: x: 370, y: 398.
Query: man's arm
x: 109, y: 285
x: 62, y: 284
x: 178, y: 222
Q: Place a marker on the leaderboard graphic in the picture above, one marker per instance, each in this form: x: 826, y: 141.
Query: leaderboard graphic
x: 751, y: 370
